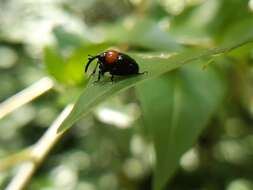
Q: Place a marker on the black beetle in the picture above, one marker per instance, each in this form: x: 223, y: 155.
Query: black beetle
x: 114, y: 62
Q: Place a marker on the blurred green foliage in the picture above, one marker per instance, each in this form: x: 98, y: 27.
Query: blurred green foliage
x: 191, y: 128
x: 187, y: 111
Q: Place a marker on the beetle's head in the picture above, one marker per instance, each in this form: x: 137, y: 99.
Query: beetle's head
x: 108, y: 57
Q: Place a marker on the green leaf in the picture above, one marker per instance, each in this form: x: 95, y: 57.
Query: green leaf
x: 54, y: 63
x: 95, y: 93
x: 176, y: 107
x: 226, y: 17
x: 66, y: 39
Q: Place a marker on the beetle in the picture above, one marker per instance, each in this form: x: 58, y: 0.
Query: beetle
x: 114, y: 62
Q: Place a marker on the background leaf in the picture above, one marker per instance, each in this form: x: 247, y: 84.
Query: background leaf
x: 176, y: 107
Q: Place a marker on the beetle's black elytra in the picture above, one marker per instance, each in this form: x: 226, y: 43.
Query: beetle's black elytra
x: 114, y: 62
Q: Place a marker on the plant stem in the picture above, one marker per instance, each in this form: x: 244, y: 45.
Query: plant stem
x: 39, y: 152
x: 25, y: 96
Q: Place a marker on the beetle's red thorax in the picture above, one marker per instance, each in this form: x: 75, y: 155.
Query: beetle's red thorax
x: 111, y: 56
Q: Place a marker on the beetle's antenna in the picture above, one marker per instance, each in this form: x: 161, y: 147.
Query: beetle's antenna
x: 91, y: 58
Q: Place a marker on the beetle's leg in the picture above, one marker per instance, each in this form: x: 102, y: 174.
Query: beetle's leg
x: 95, y: 69
x: 99, y: 75
x: 112, y: 76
